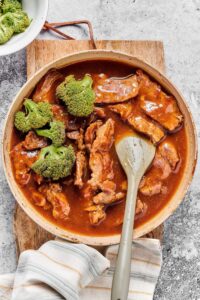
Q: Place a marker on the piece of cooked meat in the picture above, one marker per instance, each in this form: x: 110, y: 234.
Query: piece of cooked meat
x: 87, y: 192
x: 124, y: 185
x: 101, y: 166
x: 54, y: 195
x: 38, y: 178
x: 100, y: 188
x: 150, y: 187
x: 78, y: 136
x: 169, y: 152
x: 152, y: 182
x: 163, y: 165
x: 80, y: 140
x: 60, y: 114
x: 22, y: 161
x: 113, y: 90
x: 43, y: 92
x: 108, y: 197
x: 100, y: 112
x: 74, y: 123
x: 33, y: 141
x: 136, y: 118
x: 90, y: 133
x: 141, y: 208
x: 157, y: 104
x: 108, y: 194
x: 80, y: 168
x: 96, y: 214
x: 38, y: 198
x: 100, y: 161
x: 73, y: 135
x: 104, y: 137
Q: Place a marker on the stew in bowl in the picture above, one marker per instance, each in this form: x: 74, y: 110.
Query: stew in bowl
x: 62, y: 145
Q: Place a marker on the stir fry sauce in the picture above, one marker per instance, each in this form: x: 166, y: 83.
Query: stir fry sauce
x: 122, y: 107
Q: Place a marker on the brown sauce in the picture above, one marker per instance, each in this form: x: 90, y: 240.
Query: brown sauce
x: 78, y: 220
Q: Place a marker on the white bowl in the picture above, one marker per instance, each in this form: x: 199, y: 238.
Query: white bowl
x: 37, y: 11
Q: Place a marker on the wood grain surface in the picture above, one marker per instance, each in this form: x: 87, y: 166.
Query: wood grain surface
x: 40, y: 52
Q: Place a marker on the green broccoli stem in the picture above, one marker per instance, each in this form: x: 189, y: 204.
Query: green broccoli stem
x: 44, y: 132
x: 56, y: 132
x: 30, y: 105
x: 52, y: 150
x: 86, y: 81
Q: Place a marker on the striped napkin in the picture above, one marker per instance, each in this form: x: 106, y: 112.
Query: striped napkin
x: 62, y: 270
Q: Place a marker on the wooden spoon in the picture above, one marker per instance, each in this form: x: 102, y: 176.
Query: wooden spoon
x: 135, y: 155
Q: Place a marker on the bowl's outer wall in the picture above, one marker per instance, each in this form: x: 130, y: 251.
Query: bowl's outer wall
x: 190, y: 161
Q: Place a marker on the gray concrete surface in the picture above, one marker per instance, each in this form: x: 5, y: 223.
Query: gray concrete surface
x: 177, y: 23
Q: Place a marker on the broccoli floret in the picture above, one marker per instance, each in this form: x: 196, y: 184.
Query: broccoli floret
x: 55, y: 162
x: 11, y: 6
x: 56, y: 133
x: 36, y: 115
x: 20, y: 21
x: 77, y: 95
x: 1, y: 3
x: 12, y: 19
x: 6, y: 28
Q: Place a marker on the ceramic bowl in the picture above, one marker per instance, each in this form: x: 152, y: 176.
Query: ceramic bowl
x: 190, y: 160
x: 37, y: 11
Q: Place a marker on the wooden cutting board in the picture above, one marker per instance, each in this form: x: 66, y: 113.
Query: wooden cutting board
x: 28, y: 234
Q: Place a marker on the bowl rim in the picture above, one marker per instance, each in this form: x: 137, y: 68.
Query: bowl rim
x: 21, y: 44
x: 143, y: 229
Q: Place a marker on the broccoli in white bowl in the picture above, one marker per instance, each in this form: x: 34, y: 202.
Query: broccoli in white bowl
x: 20, y: 23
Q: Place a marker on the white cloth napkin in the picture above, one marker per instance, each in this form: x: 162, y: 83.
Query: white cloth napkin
x: 62, y: 270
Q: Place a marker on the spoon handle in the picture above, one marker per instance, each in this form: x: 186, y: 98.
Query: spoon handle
x: 121, y: 278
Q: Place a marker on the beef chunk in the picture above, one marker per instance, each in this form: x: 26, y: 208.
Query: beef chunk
x: 157, y: 104
x: 23, y: 160
x: 113, y: 90
x: 140, y: 208
x: 101, y: 187
x: 90, y: 133
x: 169, y: 152
x: 43, y: 92
x: 108, y: 194
x: 100, y: 161
x: 80, y: 168
x: 99, y: 112
x: 33, y: 141
x: 54, y: 195
x: 60, y: 114
x: 96, y: 214
x: 136, y: 118
x: 163, y: 165
x: 73, y: 135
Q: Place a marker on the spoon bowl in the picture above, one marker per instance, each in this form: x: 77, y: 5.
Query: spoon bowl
x: 135, y: 154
